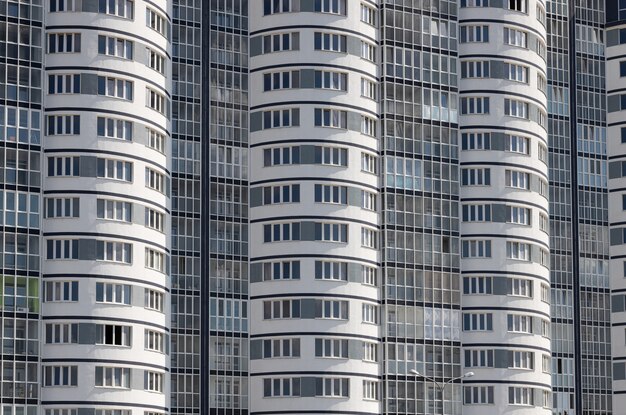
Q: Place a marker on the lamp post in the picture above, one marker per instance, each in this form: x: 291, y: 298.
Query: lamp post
x: 441, y: 385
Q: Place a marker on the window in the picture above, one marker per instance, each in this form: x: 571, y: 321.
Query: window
x: 153, y: 381
x: 114, y: 251
x: 281, y: 42
x: 60, y: 375
x: 368, y: 51
x: 281, y: 194
x: 545, y: 293
x: 155, y: 100
x: 333, y: 387
x: 622, y: 68
x: 113, y: 377
x: 475, y: 141
x: 477, y: 285
x: 331, y: 270
x: 331, y: 156
x: 368, y: 126
x: 281, y: 309
x: 155, y: 21
x: 520, y: 287
x: 281, y: 270
x: 64, y: 84
x: 115, y: 46
x: 155, y: 180
x: 113, y: 335
x: 113, y: 293
x: 114, y: 210
x: 115, y: 87
x: 522, y: 360
x: 155, y: 219
x: 542, y: 118
x: 114, y: 169
x: 543, y: 188
x: 62, y: 207
x: 479, y: 358
x: 542, y: 83
x: 281, y: 80
x: 515, y: 108
x: 63, y: 124
x: 515, y: 37
x: 474, y: 69
x: 156, y: 140
x: 115, y: 128
x: 517, y: 144
x: 331, y: 232
x: 368, y: 163
x: 155, y: 260
x: 370, y: 390
x: 517, y: 73
x: 369, y: 238
x: 156, y: 61
x: 61, y: 291
x: 519, y: 215
x: 476, y: 177
x: 337, y: 348
x: 62, y: 249
x: 61, y: 333
x: 520, y: 396
x: 58, y: 6
x: 370, y: 313
x: 64, y: 43
x: 281, y: 232
x: 119, y: 8
x: 476, y: 213
x: 474, y: 3
x: 331, y: 6
x: 542, y: 153
x: 477, y: 395
x: 518, y: 323
x: 276, y: 6
x: 546, y: 399
x: 474, y: 105
x: 331, y: 118
x: 330, y: 42
x: 154, y: 341
x: 122, y: 412
x: 476, y: 248
x: 477, y: 321
x: 518, y: 5
x: 369, y: 275
x: 474, y: 33
x: 281, y: 155
x: 289, y: 117
x: 368, y: 200
x: 541, y: 14
x: 518, y: 250
x: 517, y: 179
x: 368, y: 89
x: 541, y: 48
x: 281, y: 387
x: 368, y: 14
x: 281, y: 348
x: 545, y: 328
x: 331, y: 309
x: 370, y: 352
x: 546, y: 363
x: 153, y: 300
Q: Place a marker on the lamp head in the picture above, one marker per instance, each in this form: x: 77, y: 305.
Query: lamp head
x: 468, y: 375
x: 415, y: 372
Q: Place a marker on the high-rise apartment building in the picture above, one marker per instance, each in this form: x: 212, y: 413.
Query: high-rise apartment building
x: 235, y: 207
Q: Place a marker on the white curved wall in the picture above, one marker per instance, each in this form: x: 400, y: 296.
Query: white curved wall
x: 497, y: 374
x: 88, y: 268
x: 306, y: 367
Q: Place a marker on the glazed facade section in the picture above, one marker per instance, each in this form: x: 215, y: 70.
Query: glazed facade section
x: 106, y: 208
x: 504, y: 208
x: 314, y: 296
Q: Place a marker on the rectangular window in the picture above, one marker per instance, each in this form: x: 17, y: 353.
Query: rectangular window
x: 154, y: 341
x: 368, y: 89
x: 281, y: 232
x: 368, y: 200
x: 477, y: 285
x: 62, y: 249
x: 289, y: 117
x: 63, y: 124
x: 155, y: 180
x: 370, y: 390
x: 517, y: 144
x: 113, y: 335
x: 115, y: 46
x: 281, y: 42
x: 331, y: 80
x: 542, y: 153
x: 64, y: 43
x: 114, y: 210
x: 474, y: 33
x: 368, y: 126
x: 281, y: 194
x: 115, y: 128
x: 333, y: 348
x: 330, y: 42
x: 331, y: 309
x: 476, y: 141
x: 515, y: 108
x: 333, y: 387
x: 476, y: 213
x: 273, y: 81
x: 60, y: 375
x: 545, y: 328
x: 477, y: 395
x: 369, y: 163
x: 155, y: 260
x: 541, y: 14
x: 156, y: 140
x: 331, y: 270
x: 113, y: 377
x: 331, y: 232
x: 521, y: 396
x: 61, y: 207
x: 281, y: 348
x: 545, y: 293
x: 64, y: 84
x: 61, y: 291
x: 474, y: 105
x: 281, y: 387
x: 59, y: 6
x: 331, y: 6
x: 542, y: 84
x: 153, y: 381
x: 281, y: 309
x: 476, y: 248
x: 518, y: 250
x: 369, y: 275
x: 281, y: 156
x: 115, y: 87
x: 474, y: 3
x: 154, y: 300
x: 520, y: 287
x: 61, y: 333
x: 622, y: 68
x: 475, y: 69
x: 518, y: 215
x: 370, y: 313
x: 368, y: 51
x: 370, y: 352
x: 369, y: 238
x: 331, y: 118
x: 518, y: 323
x: 546, y: 363
x: 368, y: 14
x: 281, y: 270
x: 119, y: 8
x: 518, y: 5
x: 476, y: 177
x: 477, y: 321
x: 114, y: 169
x: 517, y: 73
x: 276, y: 6
x: 479, y: 358
x: 155, y: 100
x: 155, y: 21
x: 155, y: 219
x: 517, y: 179
x: 114, y: 251
x: 331, y: 156
x: 515, y: 37
x: 113, y: 293
x: 156, y: 61
x: 331, y: 194
x: 522, y: 360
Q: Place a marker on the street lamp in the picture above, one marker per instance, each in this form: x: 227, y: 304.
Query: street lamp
x: 441, y: 386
